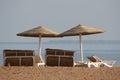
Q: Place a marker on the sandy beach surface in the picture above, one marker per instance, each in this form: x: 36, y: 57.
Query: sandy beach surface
x: 59, y: 73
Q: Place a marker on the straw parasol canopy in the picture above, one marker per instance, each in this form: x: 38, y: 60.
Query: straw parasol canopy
x: 80, y: 30
x: 39, y: 32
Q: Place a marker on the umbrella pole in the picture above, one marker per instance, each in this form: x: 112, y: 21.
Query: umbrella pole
x: 81, y: 49
x: 40, y: 48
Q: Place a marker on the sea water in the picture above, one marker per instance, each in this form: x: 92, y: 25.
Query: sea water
x: 107, y: 50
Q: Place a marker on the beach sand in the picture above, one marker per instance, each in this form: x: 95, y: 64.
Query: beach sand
x: 59, y: 73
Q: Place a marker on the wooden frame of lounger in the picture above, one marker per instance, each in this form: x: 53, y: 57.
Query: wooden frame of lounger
x: 18, y: 57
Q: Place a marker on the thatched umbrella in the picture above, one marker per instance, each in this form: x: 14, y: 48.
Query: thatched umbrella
x: 39, y: 32
x: 79, y: 31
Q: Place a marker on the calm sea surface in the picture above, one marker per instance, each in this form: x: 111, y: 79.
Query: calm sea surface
x: 108, y: 50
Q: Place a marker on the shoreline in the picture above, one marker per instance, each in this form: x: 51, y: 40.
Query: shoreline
x: 59, y: 73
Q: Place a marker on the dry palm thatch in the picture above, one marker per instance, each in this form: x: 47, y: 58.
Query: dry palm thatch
x: 81, y: 29
x: 38, y: 31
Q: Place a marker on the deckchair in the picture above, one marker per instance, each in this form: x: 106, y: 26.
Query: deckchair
x: 95, y: 59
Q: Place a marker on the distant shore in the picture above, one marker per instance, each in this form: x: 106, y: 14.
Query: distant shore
x: 64, y: 41
x: 59, y: 73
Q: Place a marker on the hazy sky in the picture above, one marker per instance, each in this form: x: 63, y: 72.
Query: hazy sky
x: 59, y: 15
